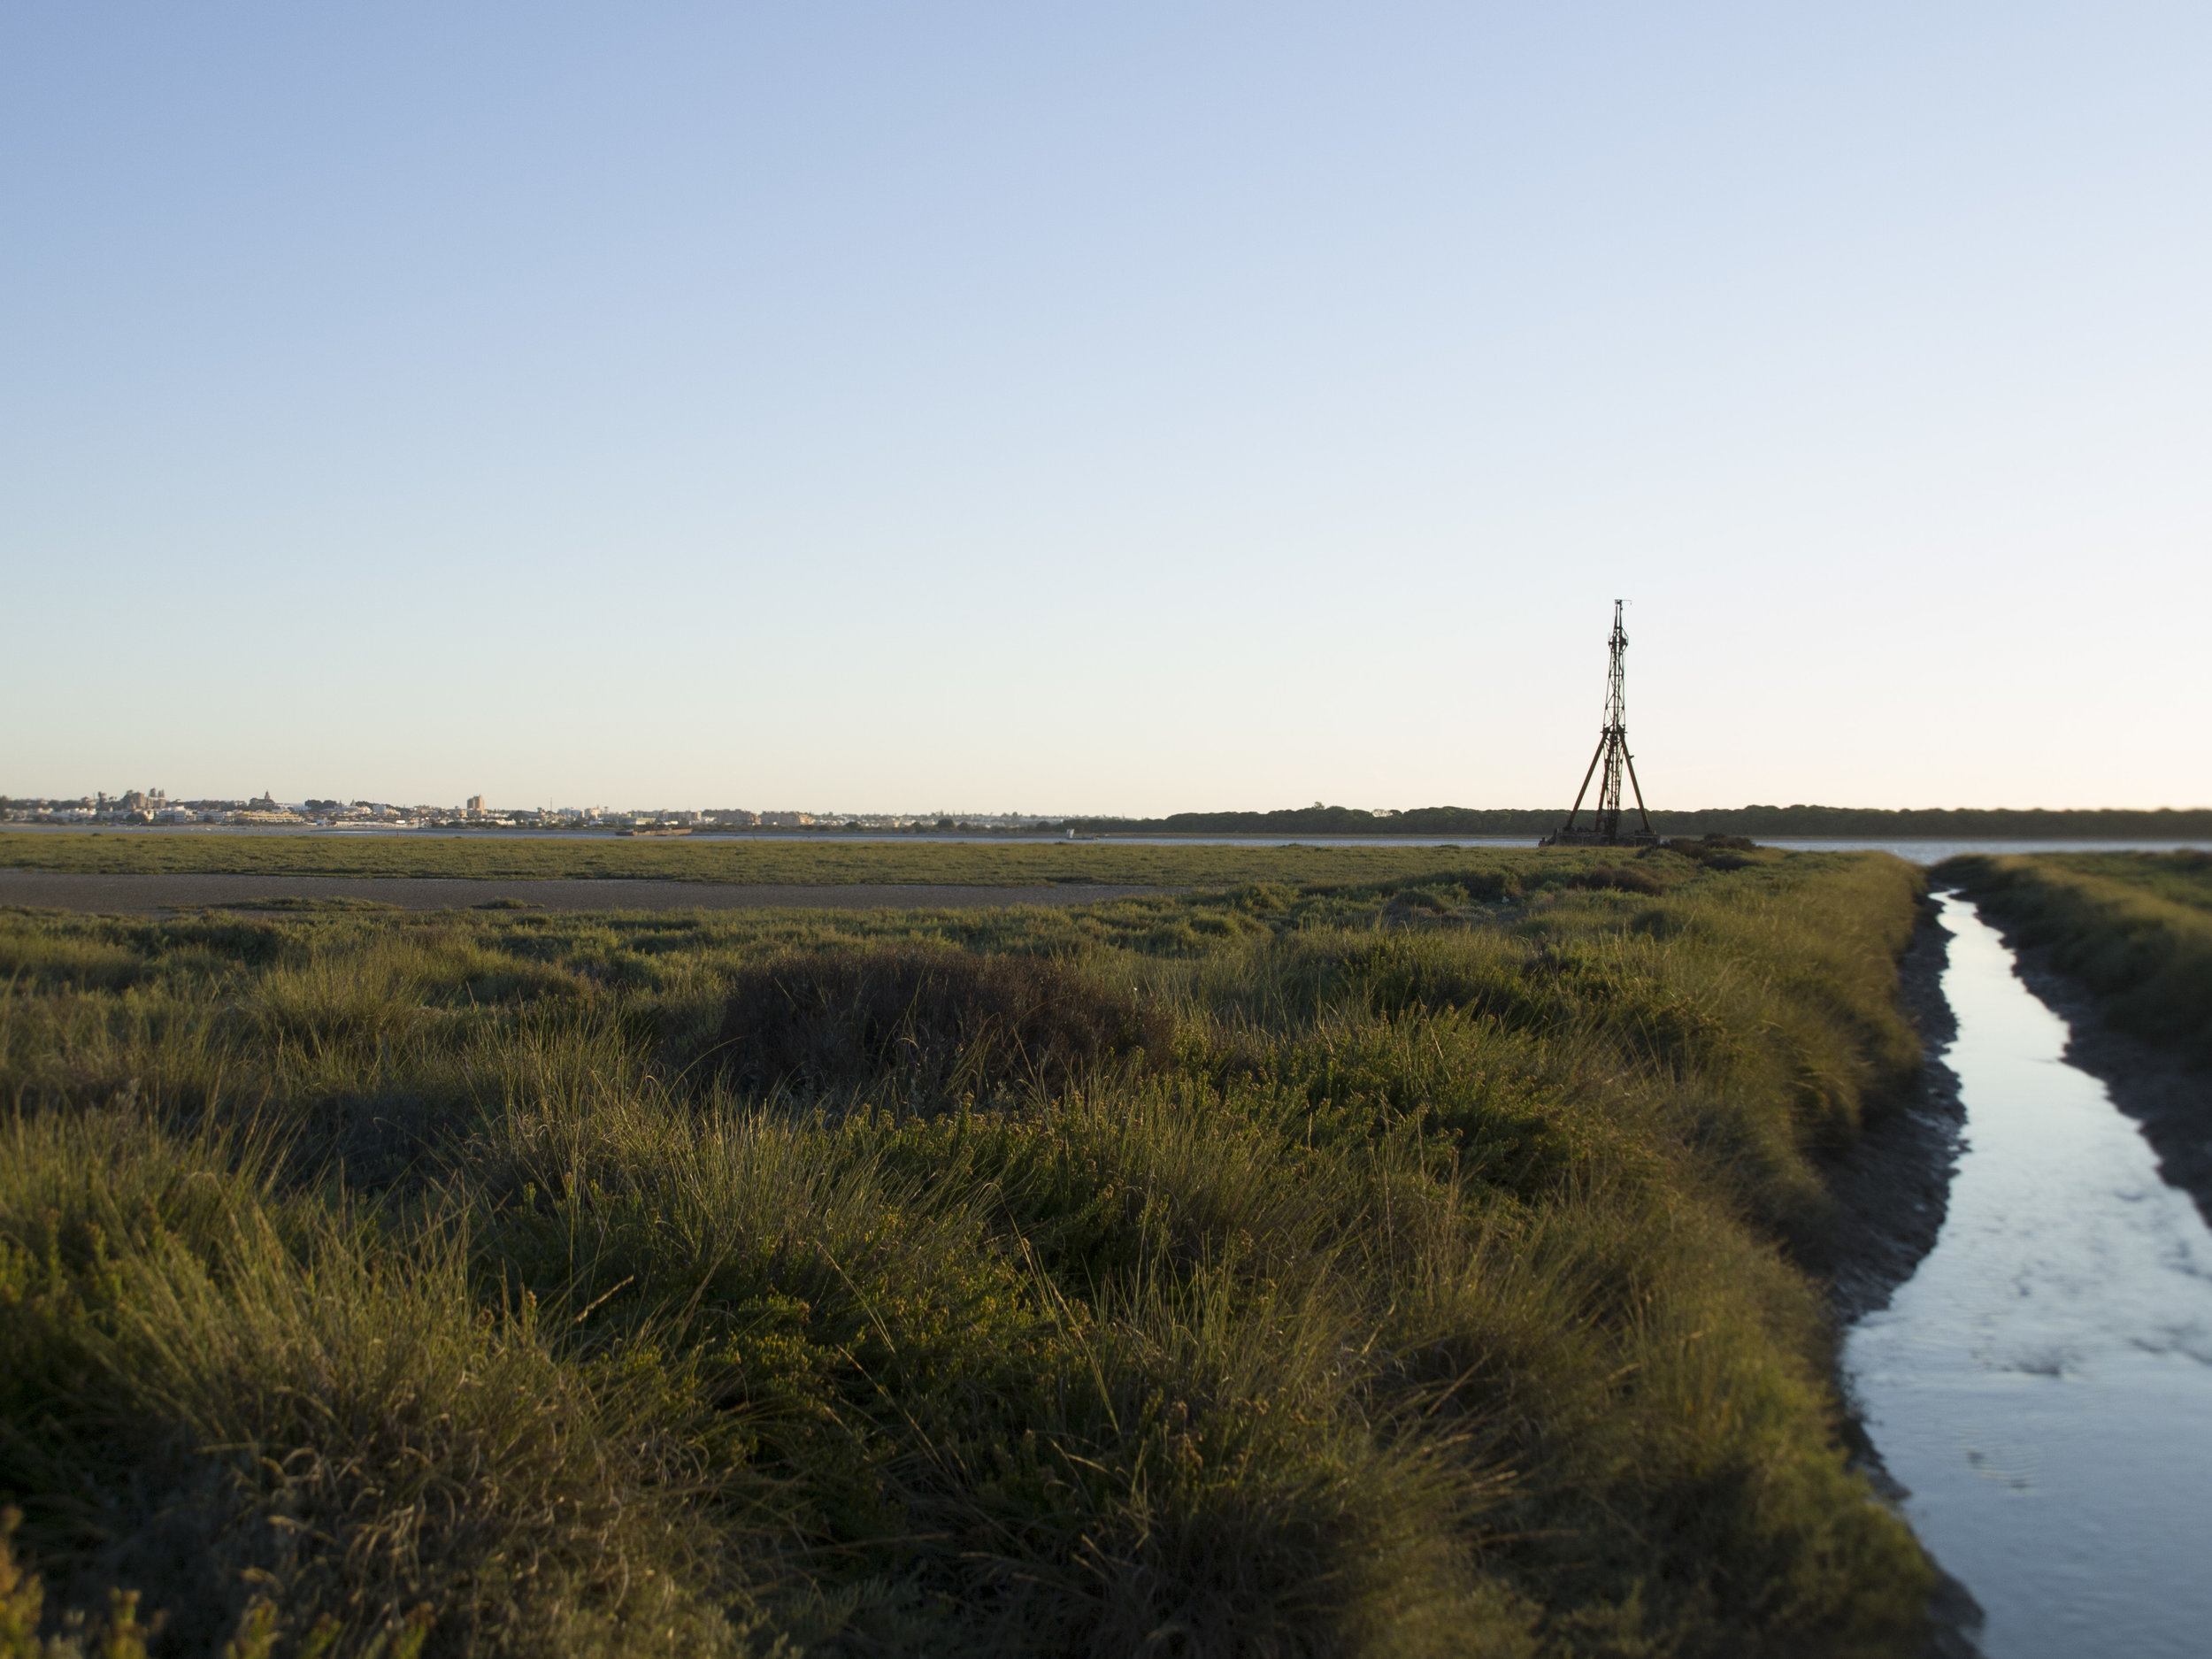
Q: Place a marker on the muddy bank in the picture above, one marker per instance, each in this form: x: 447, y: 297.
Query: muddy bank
x: 1894, y: 1185
x: 2167, y: 1095
x: 1894, y: 1188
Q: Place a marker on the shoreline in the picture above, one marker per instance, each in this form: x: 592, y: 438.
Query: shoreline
x: 2168, y: 1098
x: 1895, y: 1184
x: 1940, y: 845
x: 1893, y: 1187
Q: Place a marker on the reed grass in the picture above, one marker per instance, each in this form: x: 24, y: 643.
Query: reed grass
x: 1441, y: 1276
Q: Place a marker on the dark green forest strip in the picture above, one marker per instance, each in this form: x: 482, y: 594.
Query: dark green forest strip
x: 1813, y: 822
x: 2134, y: 928
x: 1421, y: 1267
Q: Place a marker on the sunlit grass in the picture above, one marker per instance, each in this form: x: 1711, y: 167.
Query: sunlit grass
x: 1435, y: 1278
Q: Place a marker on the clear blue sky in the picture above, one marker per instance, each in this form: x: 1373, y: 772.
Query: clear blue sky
x: 1109, y: 408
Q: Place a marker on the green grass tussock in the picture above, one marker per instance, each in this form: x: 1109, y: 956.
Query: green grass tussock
x: 249, y: 1401
x: 2136, y: 928
x: 1425, y: 1265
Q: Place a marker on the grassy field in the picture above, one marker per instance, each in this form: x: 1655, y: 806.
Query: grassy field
x: 1421, y: 1267
x: 800, y: 863
x: 2136, y: 928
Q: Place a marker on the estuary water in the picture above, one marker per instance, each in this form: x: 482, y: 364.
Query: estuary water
x: 2042, y: 1385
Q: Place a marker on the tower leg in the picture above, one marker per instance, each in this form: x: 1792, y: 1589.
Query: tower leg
x: 1588, y: 774
x: 1639, y: 789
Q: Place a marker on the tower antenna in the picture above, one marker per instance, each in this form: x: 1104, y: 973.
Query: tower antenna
x: 1613, y: 756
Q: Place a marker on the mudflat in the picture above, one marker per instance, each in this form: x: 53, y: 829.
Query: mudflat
x: 149, y: 893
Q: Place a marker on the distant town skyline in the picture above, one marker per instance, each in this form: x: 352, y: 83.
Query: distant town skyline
x: 1129, y: 409
x: 159, y: 806
x: 156, y: 810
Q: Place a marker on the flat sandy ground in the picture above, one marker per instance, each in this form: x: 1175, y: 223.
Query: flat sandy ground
x: 146, y: 894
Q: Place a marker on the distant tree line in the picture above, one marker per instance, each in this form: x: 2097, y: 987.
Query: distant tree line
x: 1917, y: 824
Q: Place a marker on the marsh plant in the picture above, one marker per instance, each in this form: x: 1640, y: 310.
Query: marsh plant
x: 1423, y: 1266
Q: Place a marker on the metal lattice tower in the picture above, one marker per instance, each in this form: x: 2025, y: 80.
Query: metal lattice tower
x: 1612, y: 754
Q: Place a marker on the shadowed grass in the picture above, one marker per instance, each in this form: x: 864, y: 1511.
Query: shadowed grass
x: 951, y: 1021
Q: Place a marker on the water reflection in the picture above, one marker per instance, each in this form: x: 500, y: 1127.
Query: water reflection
x: 2043, y: 1385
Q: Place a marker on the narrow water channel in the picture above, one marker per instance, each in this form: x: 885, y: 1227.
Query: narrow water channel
x: 2042, y: 1385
